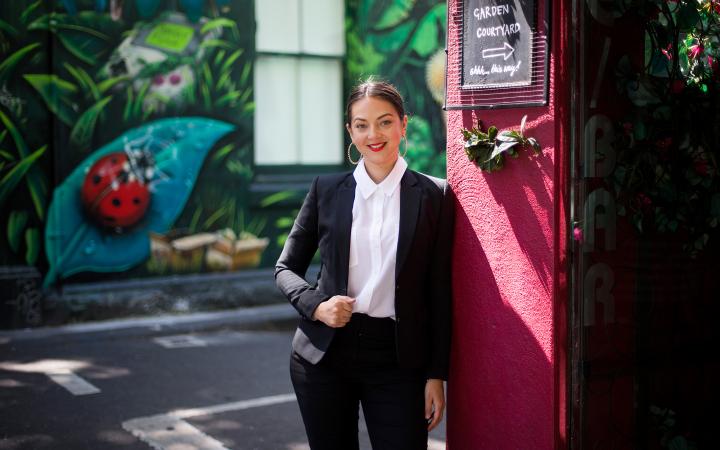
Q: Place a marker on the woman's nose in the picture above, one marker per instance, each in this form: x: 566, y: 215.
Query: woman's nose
x: 373, y: 131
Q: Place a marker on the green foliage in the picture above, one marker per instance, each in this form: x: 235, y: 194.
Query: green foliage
x: 488, y: 149
x: 421, y: 153
x: 83, y: 130
x: 8, y: 65
x: 394, y: 39
x: 35, y: 179
x: 15, y: 226
x: 56, y: 93
x: 80, y: 34
x: 32, y: 245
x: 13, y: 177
x: 666, y: 176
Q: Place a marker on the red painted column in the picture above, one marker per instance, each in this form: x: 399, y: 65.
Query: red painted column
x: 507, y: 382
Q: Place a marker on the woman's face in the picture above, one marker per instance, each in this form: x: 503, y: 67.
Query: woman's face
x: 376, y: 130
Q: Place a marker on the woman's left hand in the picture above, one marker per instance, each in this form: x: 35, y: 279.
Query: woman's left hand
x: 434, y: 402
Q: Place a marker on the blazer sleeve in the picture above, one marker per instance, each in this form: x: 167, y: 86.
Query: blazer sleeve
x: 441, y: 294
x: 299, y: 249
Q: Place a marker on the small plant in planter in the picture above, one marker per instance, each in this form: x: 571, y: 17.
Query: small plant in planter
x: 487, y: 149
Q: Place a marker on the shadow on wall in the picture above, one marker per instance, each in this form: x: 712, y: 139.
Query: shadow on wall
x: 499, y: 391
x: 528, y: 210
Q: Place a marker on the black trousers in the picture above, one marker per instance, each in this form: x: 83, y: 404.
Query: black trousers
x: 361, y: 368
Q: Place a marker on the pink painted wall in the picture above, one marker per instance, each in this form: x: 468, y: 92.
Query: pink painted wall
x: 507, y: 382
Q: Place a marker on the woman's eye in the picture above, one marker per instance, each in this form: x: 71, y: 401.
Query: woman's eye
x: 360, y: 126
x: 385, y: 123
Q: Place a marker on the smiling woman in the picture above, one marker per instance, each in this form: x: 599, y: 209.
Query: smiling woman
x: 377, y: 124
x: 362, y: 339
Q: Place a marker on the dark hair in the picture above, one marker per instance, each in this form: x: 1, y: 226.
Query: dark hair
x: 378, y: 89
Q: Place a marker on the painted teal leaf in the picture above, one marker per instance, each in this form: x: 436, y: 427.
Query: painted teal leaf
x: 75, y: 244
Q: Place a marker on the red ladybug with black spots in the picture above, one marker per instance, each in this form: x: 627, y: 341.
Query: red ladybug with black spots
x: 115, y: 192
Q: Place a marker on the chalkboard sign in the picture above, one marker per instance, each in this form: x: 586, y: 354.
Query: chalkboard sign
x: 497, y: 43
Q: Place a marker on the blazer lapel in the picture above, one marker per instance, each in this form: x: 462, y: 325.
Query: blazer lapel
x: 345, y: 199
x: 410, y: 196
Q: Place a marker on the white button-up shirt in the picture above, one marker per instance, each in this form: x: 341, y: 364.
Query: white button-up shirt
x: 373, y: 241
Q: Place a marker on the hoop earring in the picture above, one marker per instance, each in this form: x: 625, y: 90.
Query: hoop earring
x: 404, y: 153
x: 355, y: 163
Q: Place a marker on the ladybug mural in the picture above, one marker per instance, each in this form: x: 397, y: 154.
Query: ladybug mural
x: 115, y: 192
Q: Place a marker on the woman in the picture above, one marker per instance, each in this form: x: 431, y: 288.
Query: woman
x: 375, y: 329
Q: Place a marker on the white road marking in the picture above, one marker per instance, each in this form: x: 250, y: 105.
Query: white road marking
x: 164, y: 432
x: 180, y: 341
x: 73, y: 383
x: 169, y: 431
x: 234, y: 406
x: 58, y: 370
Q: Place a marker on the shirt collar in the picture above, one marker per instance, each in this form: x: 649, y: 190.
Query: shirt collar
x: 368, y: 187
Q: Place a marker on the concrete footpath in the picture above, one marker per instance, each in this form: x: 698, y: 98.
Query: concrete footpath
x: 180, y: 323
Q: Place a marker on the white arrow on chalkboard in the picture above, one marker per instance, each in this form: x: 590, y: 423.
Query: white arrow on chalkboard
x: 505, y: 51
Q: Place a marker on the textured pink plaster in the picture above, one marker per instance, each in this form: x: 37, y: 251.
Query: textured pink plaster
x: 503, y: 386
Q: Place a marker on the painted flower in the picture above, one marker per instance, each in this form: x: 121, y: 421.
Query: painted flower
x: 667, y: 52
x: 694, y: 51
x: 578, y: 234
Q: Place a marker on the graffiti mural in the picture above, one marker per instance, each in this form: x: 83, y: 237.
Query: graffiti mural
x: 115, y: 117
x: 403, y: 41
x: 126, y: 132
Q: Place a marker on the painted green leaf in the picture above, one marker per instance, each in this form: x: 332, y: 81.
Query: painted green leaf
x: 426, y: 41
x: 55, y: 91
x: 9, y: 29
x: 9, y: 182
x: 80, y: 33
x: 29, y: 10
x: 108, y: 84
x: 392, y: 40
x: 74, y: 244
x: 83, y: 130
x: 32, y: 244
x: 9, y: 63
x: 15, y: 227
x: 394, y: 14
x: 36, y: 180
x: 79, y: 48
x: 230, y: 60
x: 85, y: 81
x: 217, y: 43
x: 276, y: 198
x: 221, y: 22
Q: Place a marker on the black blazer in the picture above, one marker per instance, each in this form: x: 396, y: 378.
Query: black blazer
x: 422, y: 271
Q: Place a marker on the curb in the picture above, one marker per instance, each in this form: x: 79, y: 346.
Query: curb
x: 156, y: 324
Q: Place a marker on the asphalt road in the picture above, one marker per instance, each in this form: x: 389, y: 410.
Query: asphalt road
x: 203, y: 381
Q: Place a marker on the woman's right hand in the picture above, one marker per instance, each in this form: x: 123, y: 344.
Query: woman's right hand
x: 335, y: 312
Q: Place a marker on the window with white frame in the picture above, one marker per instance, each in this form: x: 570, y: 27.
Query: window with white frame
x: 298, y: 81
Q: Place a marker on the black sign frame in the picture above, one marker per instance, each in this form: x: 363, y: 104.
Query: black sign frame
x: 525, y: 36
x: 459, y: 96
